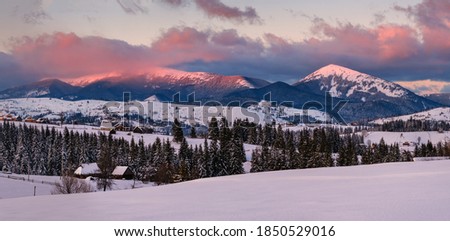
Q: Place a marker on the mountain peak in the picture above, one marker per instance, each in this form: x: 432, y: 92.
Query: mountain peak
x: 343, y: 82
x: 336, y: 70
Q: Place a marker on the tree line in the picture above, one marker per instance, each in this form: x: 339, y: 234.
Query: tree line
x: 412, y: 125
x: 430, y: 150
x: 47, y: 151
x: 321, y: 147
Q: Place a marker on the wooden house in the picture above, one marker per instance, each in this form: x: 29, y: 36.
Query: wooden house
x: 122, y: 172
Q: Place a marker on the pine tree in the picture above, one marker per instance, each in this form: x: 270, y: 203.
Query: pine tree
x: 225, y: 146
x: 195, y: 162
x: 165, y: 171
x: 133, y: 158
x: 279, y: 140
x: 185, y: 157
x: 216, y: 165
x: 193, y: 133
x: 237, y: 155
x: 213, y: 129
x: 177, y: 131
x: 105, y: 165
x: 205, y: 164
x: 142, y: 161
x: 256, y: 165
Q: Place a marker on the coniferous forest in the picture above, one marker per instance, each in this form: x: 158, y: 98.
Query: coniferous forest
x: 48, y: 151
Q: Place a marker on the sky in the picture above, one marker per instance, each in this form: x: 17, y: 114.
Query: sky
x: 276, y: 40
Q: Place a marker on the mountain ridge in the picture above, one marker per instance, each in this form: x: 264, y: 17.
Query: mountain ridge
x: 367, y: 97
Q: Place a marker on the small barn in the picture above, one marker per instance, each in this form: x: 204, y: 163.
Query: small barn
x: 86, y: 170
x: 122, y: 172
x: 106, y: 125
x: 30, y: 119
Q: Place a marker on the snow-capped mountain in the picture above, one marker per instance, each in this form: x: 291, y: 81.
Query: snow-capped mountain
x: 369, y: 96
x: 343, y: 82
x: 163, y: 83
x: 171, y: 76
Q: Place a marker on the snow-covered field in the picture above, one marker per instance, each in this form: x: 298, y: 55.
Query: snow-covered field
x: 13, y: 188
x: 15, y: 185
x: 395, y: 191
x: 438, y: 114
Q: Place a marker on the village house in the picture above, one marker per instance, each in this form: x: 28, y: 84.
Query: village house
x: 122, y: 172
x: 86, y: 170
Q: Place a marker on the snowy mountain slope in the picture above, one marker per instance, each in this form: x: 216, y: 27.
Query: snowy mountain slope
x: 368, y: 97
x: 437, y: 114
x: 343, y: 82
x: 442, y: 98
x: 44, y: 88
x: 158, y: 81
x: 396, y: 191
x: 280, y: 92
x: 172, y: 76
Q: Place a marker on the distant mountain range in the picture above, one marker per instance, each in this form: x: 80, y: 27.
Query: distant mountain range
x: 368, y: 97
x: 160, y: 82
x: 441, y: 98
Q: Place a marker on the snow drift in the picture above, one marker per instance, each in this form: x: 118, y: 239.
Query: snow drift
x: 398, y: 191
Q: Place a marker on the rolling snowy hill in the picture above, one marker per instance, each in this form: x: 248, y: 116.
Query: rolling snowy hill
x: 396, y: 191
x: 153, y: 108
x: 437, y: 114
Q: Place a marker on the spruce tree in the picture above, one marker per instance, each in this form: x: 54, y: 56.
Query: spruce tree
x: 256, y: 165
x: 193, y: 133
x: 216, y: 165
x: 105, y: 165
x: 184, y: 156
x: 205, y: 164
x: 213, y: 129
x: 237, y: 155
x: 177, y: 131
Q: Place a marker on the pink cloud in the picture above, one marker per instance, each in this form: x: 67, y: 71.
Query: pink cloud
x: 396, y: 42
x: 68, y: 55
x: 433, y: 20
x: 379, y: 45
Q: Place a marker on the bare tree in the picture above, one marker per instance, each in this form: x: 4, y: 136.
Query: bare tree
x: 70, y: 185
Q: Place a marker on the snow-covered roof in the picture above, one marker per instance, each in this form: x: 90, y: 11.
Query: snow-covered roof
x: 119, y: 170
x: 87, y: 169
x: 106, y: 124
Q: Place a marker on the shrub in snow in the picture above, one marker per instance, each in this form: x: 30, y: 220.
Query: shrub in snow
x: 70, y: 185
